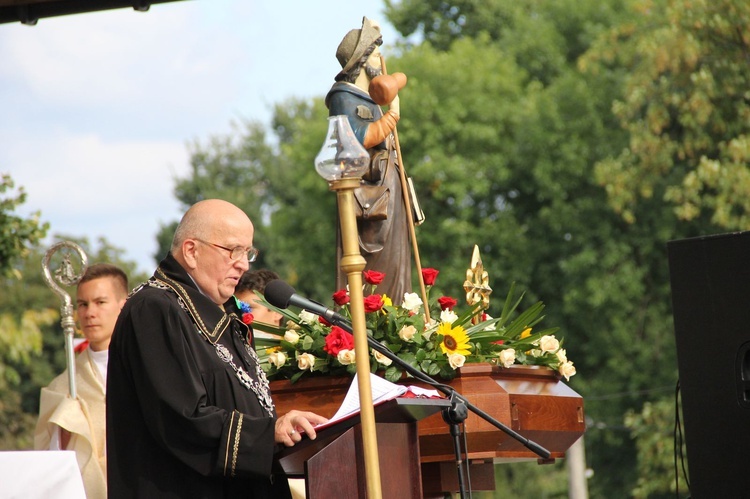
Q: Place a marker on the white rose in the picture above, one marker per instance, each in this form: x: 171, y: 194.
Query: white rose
x: 561, y: 356
x: 456, y: 360
x: 428, y: 334
x: 412, y: 302
x: 292, y: 325
x: 382, y: 359
x: 549, y: 343
x: 567, y: 369
x: 306, y: 361
x: 277, y: 359
x: 407, y: 333
x: 491, y: 327
x: 448, y: 316
x: 291, y: 337
x: 507, y: 357
x: 306, y: 317
x: 346, y: 357
x: 429, y: 328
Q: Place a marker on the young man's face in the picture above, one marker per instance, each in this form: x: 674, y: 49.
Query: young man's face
x: 98, y: 305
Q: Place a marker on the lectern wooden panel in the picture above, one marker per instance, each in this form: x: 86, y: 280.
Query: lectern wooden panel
x: 333, y: 463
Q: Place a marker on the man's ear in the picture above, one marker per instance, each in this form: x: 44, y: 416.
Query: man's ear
x: 189, y: 250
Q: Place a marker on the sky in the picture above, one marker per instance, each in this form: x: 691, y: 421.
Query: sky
x: 97, y: 109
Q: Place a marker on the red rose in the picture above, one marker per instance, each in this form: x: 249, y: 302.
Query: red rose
x: 498, y: 342
x: 429, y: 275
x: 341, y: 297
x: 247, y: 318
x: 374, y: 277
x: 373, y: 303
x: 323, y: 321
x: 338, y: 340
x: 447, y: 303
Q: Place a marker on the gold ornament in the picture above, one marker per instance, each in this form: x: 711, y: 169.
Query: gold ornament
x: 477, y: 285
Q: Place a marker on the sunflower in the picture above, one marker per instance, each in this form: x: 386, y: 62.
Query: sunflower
x: 455, y: 339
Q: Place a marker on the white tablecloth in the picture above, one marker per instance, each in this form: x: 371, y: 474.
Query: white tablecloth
x: 40, y: 475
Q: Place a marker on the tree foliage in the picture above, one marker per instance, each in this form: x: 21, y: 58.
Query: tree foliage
x: 652, y: 430
x: 686, y: 108
x: 16, y: 233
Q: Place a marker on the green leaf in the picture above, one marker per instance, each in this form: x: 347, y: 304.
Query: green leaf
x: 393, y: 374
x: 307, y: 342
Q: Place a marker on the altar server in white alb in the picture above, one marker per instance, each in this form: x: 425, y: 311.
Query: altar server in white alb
x: 79, y: 424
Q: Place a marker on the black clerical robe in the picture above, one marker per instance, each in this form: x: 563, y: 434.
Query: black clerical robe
x: 188, y: 409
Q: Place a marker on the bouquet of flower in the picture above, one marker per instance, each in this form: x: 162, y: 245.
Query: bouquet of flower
x: 308, y: 345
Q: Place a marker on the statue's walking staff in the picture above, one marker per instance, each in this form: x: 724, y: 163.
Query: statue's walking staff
x: 66, y: 276
x: 387, y: 95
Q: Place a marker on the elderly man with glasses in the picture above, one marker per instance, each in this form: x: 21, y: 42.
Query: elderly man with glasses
x: 189, y: 410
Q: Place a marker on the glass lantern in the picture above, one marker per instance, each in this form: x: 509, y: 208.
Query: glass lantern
x: 342, y: 155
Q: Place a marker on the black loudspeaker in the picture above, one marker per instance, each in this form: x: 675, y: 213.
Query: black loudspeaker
x: 710, y: 281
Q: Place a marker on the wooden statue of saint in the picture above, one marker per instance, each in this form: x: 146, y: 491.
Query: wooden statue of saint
x: 381, y: 214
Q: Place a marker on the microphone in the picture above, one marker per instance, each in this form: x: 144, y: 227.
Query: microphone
x: 282, y: 295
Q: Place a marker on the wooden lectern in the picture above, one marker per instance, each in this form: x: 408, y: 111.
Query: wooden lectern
x: 531, y: 400
x: 333, y: 464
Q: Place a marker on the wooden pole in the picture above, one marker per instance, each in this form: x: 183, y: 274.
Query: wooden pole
x: 407, y: 205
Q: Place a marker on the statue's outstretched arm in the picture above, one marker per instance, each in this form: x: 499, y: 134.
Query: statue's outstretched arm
x: 379, y: 130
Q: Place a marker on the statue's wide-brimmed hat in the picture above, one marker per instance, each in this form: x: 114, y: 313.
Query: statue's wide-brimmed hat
x: 355, y: 43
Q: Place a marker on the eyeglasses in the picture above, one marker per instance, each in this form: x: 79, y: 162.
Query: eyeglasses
x: 237, y: 252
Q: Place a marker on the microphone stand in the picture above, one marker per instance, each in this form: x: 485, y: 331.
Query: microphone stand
x: 456, y: 414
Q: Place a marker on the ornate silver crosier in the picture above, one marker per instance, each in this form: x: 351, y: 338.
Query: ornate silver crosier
x: 66, y: 275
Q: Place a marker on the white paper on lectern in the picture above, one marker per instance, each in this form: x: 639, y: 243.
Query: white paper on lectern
x: 382, y: 391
